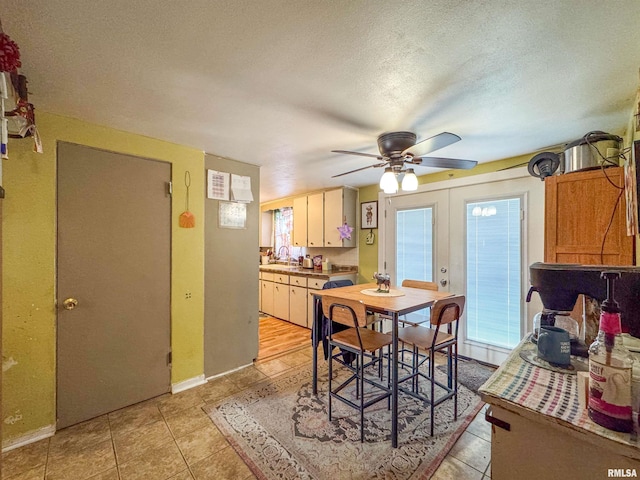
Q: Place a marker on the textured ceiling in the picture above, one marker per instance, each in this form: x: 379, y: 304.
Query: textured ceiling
x: 281, y: 83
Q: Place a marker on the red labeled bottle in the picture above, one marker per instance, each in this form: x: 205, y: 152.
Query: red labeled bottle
x: 610, y: 366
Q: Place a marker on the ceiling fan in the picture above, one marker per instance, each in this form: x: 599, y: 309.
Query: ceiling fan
x: 400, y: 148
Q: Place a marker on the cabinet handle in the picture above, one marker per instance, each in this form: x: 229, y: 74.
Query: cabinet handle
x: 496, y: 421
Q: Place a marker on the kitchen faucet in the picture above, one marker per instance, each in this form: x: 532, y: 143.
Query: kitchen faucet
x: 286, y: 249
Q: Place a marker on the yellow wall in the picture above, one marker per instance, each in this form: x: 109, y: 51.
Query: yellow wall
x: 368, y: 254
x: 28, y: 277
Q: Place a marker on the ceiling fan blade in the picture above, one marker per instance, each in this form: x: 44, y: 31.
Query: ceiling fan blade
x: 431, y: 144
x: 359, y: 153
x: 363, y: 168
x: 452, y: 163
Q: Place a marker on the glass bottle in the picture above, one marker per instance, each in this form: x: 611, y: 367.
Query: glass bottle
x: 610, y: 367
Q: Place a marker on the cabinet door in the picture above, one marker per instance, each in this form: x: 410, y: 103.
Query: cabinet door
x: 310, y: 307
x: 281, y: 301
x: 580, y: 223
x: 333, y: 218
x: 300, y: 222
x: 267, y: 297
x: 315, y: 220
x: 298, y: 306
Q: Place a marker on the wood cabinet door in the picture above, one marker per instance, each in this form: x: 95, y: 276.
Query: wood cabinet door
x: 333, y: 213
x: 300, y: 222
x: 315, y: 220
x: 585, y: 218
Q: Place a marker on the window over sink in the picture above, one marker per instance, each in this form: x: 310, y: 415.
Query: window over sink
x: 283, y: 229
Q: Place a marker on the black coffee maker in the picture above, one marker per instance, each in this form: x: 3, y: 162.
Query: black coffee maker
x: 559, y: 286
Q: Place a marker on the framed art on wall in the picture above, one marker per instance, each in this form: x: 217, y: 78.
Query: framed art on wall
x: 369, y: 215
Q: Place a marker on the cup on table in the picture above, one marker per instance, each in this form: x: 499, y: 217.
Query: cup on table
x: 554, y: 345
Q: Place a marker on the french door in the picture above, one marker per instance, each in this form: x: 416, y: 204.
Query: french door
x: 476, y: 245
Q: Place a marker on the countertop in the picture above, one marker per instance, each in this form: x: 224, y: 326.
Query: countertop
x: 309, y: 272
x: 549, y: 398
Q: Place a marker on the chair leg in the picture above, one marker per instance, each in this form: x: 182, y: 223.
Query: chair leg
x: 433, y: 386
x: 455, y: 382
x: 330, y: 376
x: 360, y: 380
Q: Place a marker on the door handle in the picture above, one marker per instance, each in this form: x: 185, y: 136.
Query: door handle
x: 443, y: 282
x: 70, y: 303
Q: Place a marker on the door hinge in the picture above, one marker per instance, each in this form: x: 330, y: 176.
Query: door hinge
x: 522, y: 214
x: 169, y: 188
x: 169, y: 358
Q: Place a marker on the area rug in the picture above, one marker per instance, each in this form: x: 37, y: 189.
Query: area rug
x: 281, y: 430
x: 471, y: 374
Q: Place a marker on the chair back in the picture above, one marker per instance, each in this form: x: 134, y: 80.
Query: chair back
x: 420, y: 284
x: 351, y: 313
x: 447, y: 310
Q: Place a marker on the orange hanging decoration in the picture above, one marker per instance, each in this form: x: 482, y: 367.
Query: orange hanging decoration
x: 187, y: 220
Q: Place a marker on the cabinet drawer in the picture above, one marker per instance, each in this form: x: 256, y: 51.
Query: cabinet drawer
x: 298, y: 281
x: 268, y: 276
x: 316, y: 283
x: 279, y: 278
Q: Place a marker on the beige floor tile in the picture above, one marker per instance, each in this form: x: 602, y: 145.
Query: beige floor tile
x: 188, y: 420
x: 175, y: 403
x: 217, y: 389
x: 81, y: 464
x: 184, y: 475
x: 111, y: 474
x: 451, y: 468
x: 23, y: 459
x: 162, y: 463
x: 273, y: 367
x: 297, y: 358
x: 472, y: 450
x: 36, y: 473
x: 141, y: 441
x: 223, y: 465
x: 133, y: 417
x: 80, y: 436
x: 246, y: 377
x: 487, y: 473
x: 480, y: 427
x: 201, y: 443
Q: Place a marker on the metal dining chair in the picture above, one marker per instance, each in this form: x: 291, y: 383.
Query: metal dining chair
x: 367, y: 345
x: 444, y: 313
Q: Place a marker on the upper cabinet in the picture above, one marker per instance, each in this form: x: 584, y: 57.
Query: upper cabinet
x: 300, y: 222
x: 339, y: 208
x: 585, y: 218
x: 315, y: 214
x: 316, y: 218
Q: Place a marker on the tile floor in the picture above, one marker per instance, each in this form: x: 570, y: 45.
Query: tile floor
x: 171, y: 438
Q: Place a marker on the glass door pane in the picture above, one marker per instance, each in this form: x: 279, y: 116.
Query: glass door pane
x: 494, y: 272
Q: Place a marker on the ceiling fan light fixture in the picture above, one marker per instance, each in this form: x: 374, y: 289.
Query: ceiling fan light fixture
x: 388, y: 181
x: 410, y: 181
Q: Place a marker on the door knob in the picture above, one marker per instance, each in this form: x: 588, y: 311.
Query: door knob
x: 443, y: 282
x: 70, y: 303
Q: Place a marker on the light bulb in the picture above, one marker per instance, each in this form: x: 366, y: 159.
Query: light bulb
x: 410, y: 181
x: 388, y: 181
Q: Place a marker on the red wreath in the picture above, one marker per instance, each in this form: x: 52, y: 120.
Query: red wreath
x: 9, y: 54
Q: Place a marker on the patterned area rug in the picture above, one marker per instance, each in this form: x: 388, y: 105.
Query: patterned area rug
x: 281, y: 430
x: 471, y: 374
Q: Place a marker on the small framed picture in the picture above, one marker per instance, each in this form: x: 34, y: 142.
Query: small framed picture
x: 369, y: 215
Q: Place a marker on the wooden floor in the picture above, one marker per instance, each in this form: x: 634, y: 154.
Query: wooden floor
x: 278, y: 337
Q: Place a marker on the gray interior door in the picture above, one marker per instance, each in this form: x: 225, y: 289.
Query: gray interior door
x: 114, y: 239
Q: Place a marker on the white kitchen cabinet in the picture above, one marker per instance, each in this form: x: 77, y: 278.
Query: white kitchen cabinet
x: 281, y: 297
x: 266, y: 289
x: 315, y: 220
x: 300, y: 221
x: 298, y: 305
x: 339, y: 207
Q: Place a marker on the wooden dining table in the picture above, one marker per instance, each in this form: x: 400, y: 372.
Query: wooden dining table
x: 400, y: 301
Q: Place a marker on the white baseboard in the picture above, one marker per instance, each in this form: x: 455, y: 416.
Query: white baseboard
x: 31, y: 437
x: 228, y: 372
x: 187, y: 384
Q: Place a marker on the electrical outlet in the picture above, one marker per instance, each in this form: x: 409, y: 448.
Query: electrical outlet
x: 187, y: 296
